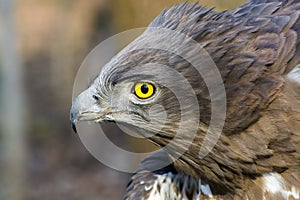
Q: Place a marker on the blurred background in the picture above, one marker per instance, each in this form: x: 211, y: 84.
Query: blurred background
x: 42, y: 44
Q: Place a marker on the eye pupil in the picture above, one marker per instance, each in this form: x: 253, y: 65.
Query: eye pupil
x: 144, y: 89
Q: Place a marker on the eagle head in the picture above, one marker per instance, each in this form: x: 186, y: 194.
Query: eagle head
x: 148, y: 87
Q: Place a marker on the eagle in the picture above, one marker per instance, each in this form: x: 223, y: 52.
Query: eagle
x: 256, y: 51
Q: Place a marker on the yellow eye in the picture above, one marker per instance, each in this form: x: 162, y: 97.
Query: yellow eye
x: 144, y: 90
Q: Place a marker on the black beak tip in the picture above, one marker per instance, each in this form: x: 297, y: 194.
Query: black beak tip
x: 74, y: 127
x: 73, y: 122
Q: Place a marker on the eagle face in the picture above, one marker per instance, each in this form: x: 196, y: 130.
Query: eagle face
x: 123, y: 101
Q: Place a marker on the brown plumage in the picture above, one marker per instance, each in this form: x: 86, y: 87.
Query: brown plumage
x: 257, y: 50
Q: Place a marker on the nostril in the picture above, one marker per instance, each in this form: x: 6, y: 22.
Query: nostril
x: 96, y: 97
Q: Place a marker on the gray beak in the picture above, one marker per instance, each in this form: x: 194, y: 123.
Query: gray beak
x: 84, y: 108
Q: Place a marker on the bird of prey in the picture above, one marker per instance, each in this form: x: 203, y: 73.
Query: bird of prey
x: 256, y: 49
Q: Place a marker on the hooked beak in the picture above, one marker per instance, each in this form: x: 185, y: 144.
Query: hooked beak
x: 84, y: 108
